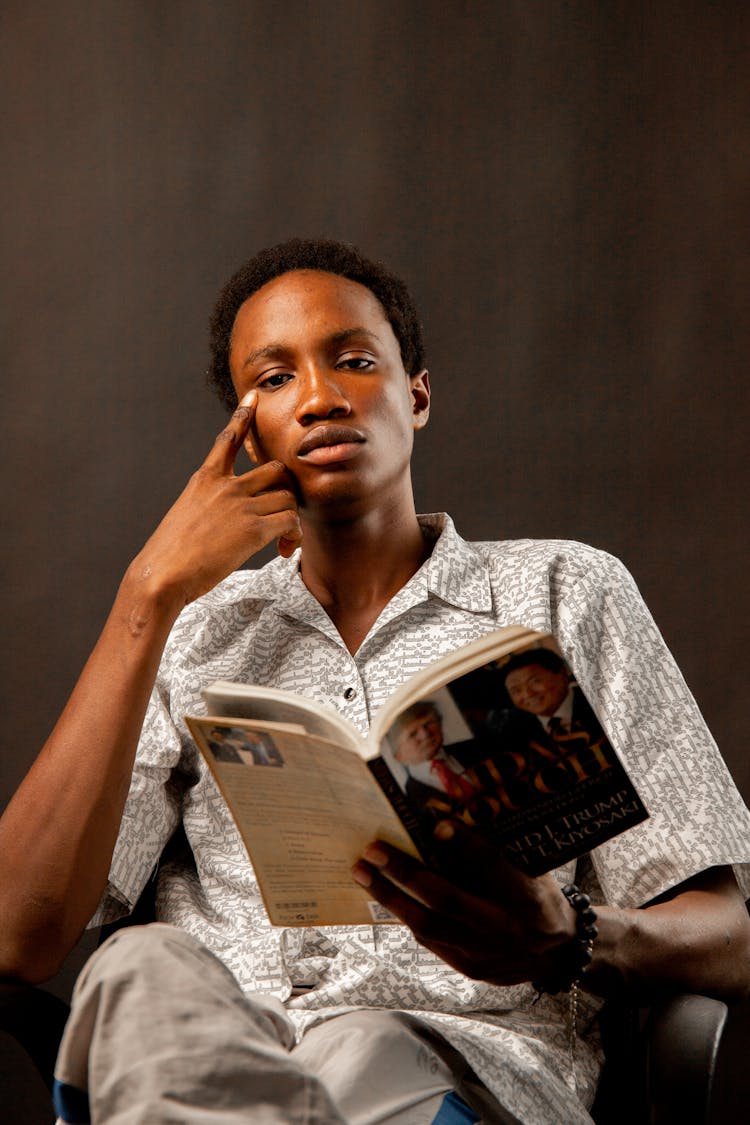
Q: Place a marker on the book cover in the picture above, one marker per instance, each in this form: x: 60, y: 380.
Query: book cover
x: 498, y: 735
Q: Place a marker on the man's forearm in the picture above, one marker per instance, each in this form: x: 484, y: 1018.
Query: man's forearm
x: 696, y: 940
x: 58, y: 833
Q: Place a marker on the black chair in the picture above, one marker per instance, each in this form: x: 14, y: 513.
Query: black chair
x: 660, y: 1062
x: 659, y: 1068
x: 35, y: 1019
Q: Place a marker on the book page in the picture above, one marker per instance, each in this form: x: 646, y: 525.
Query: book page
x: 249, y: 701
x: 514, y: 749
x: 305, y: 809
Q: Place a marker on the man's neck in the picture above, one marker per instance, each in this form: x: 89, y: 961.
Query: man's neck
x: 355, y: 567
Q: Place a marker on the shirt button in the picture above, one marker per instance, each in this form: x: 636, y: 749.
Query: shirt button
x: 350, y: 693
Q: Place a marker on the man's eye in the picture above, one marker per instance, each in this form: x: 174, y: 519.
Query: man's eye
x: 355, y: 362
x: 275, y: 379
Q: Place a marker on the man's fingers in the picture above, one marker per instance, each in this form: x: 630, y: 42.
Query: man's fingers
x: 284, y: 526
x: 275, y: 500
x: 270, y: 477
x: 459, y: 889
x: 229, y: 442
x: 288, y: 544
x: 444, y: 934
x: 404, y: 906
x: 477, y: 861
x: 425, y: 885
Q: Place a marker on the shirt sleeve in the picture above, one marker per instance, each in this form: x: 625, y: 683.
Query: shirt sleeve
x: 697, y: 817
x: 151, y: 814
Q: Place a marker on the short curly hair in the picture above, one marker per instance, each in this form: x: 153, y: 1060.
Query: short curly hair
x: 328, y: 256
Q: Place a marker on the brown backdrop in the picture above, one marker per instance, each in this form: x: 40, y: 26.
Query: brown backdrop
x: 564, y: 185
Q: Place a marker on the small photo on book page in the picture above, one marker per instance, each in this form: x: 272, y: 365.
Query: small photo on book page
x: 242, y: 746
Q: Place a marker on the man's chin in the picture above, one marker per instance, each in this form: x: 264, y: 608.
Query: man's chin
x: 332, y: 501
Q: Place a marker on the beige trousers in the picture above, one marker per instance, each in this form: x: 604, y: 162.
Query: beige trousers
x: 160, y: 1033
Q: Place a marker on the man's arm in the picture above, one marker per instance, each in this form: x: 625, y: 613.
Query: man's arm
x: 58, y: 833
x: 493, y: 923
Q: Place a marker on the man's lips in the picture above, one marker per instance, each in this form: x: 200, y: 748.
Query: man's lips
x: 326, y: 444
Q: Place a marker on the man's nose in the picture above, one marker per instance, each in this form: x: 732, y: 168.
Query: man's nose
x: 321, y: 394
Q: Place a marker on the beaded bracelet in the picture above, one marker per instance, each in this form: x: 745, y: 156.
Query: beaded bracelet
x: 582, y: 950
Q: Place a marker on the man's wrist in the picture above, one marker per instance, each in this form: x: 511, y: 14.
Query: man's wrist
x: 576, y: 956
x: 147, y: 600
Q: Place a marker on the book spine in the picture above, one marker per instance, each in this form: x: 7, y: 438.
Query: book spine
x: 403, y: 809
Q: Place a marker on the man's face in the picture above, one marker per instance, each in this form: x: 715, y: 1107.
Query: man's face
x: 537, y: 689
x: 419, y: 740
x: 334, y: 402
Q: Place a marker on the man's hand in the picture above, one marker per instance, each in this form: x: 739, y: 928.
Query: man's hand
x: 493, y: 923
x: 488, y: 920
x: 221, y: 519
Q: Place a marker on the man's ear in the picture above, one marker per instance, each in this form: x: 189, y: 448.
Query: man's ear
x: 419, y: 386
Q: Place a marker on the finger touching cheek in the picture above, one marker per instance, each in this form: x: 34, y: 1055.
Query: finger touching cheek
x: 249, y: 402
x: 252, y: 450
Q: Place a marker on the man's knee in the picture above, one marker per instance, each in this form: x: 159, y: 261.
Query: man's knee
x: 162, y: 968
x: 142, y: 951
x: 140, y: 944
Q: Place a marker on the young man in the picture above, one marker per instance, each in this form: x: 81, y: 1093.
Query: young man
x: 220, y: 1016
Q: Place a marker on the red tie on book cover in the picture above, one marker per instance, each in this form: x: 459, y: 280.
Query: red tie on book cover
x: 452, y: 783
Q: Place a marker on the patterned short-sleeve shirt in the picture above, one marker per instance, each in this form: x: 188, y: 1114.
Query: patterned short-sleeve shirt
x: 265, y: 627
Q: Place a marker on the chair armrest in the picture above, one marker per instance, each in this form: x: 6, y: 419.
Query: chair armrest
x: 35, y: 1019
x: 682, y: 1036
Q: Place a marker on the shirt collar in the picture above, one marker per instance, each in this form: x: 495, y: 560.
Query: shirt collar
x: 454, y: 572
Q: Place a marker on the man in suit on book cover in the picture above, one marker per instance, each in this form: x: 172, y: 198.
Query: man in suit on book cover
x: 538, y: 682
x: 436, y: 783
x: 212, y: 1013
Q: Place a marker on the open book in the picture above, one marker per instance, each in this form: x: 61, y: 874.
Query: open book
x: 496, y: 734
